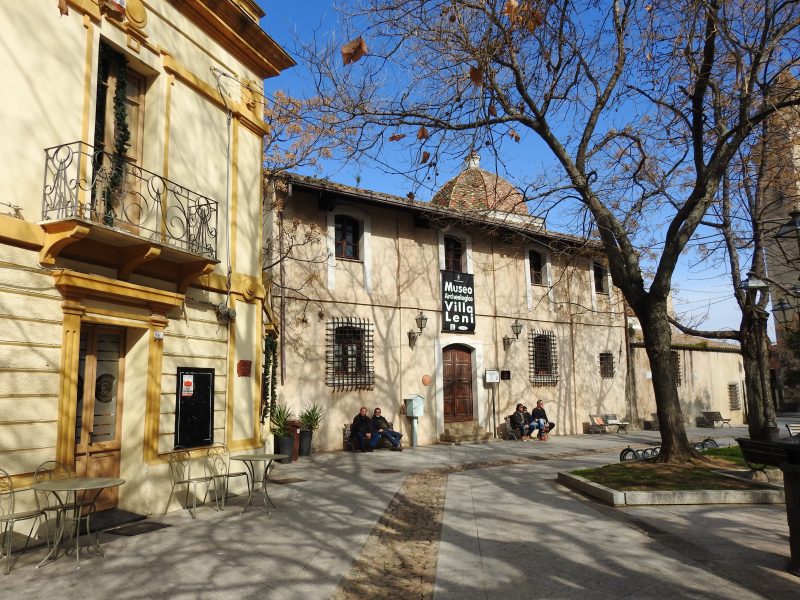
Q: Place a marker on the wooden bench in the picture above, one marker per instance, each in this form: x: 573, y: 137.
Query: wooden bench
x: 759, y: 454
x: 794, y: 429
x: 713, y: 417
x: 601, y: 423
x: 350, y: 445
x: 611, y: 419
x: 511, y: 432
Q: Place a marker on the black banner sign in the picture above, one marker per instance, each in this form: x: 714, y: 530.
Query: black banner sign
x: 458, y: 302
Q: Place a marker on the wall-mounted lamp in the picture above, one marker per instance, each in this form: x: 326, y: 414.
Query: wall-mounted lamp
x: 516, y: 329
x: 753, y: 284
x: 782, y: 311
x: 421, y: 321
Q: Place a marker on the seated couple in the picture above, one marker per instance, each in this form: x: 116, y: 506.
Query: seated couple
x: 369, y: 432
x: 526, y: 423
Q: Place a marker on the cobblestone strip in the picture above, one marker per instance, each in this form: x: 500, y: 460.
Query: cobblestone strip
x: 398, y: 560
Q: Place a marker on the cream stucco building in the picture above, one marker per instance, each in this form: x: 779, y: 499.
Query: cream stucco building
x: 131, y: 298
x: 348, y: 303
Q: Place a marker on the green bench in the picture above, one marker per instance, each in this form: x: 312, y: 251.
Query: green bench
x: 760, y: 454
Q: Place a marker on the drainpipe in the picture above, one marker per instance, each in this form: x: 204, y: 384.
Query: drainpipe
x: 282, y: 268
x: 574, y: 383
x: 630, y: 379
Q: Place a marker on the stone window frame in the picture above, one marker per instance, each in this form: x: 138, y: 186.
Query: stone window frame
x: 364, y: 245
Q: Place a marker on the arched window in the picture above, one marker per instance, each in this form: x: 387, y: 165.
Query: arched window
x: 453, y: 254
x: 348, y: 235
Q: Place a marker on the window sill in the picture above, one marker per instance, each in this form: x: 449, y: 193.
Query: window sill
x: 352, y: 260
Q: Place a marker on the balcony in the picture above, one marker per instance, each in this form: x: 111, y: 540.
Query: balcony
x: 125, y: 217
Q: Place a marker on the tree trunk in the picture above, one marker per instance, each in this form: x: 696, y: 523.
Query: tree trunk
x: 658, y: 344
x: 755, y: 358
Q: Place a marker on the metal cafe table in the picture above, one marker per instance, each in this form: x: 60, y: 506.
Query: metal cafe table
x: 81, y: 511
x: 249, y: 461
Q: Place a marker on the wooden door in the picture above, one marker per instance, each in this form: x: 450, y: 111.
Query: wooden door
x: 98, y: 423
x: 457, y: 376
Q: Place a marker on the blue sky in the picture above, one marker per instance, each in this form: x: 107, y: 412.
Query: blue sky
x: 697, y: 291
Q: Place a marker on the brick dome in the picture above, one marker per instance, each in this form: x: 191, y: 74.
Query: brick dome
x: 475, y: 190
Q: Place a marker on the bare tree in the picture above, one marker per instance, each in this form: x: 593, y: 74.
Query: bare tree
x: 643, y: 106
x: 740, y: 229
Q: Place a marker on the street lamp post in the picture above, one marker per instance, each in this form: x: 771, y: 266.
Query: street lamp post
x: 752, y: 286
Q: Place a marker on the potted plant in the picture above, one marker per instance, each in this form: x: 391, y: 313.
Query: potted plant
x: 279, y: 425
x: 310, y: 418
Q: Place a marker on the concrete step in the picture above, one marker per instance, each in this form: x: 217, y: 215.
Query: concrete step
x: 455, y: 438
x: 461, y: 427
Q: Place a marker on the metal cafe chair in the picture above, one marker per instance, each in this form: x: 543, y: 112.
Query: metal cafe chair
x: 8, y: 516
x: 180, y: 473
x: 218, y: 467
x: 50, y: 503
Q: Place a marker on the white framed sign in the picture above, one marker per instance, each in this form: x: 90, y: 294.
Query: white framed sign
x: 492, y: 376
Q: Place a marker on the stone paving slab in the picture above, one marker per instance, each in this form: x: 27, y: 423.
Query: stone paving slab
x: 322, y: 527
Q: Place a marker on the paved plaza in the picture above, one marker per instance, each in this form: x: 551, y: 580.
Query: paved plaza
x: 476, y: 521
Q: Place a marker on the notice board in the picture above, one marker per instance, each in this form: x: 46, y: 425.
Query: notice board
x: 194, y: 407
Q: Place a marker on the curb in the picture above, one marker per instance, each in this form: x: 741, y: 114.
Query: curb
x: 617, y: 498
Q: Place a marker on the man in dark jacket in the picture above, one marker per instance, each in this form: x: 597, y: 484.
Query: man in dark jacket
x: 380, y: 427
x: 520, y: 422
x: 542, y: 423
x: 361, y: 430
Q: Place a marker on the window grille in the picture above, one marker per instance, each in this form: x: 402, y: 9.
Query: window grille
x: 734, y: 400
x: 348, y: 235
x: 543, y: 358
x: 536, y: 262
x: 600, y: 278
x: 453, y: 254
x: 350, y: 351
x: 675, y: 362
x: 606, y: 365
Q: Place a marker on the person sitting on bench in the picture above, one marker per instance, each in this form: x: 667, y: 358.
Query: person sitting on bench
x: 380, y: 428
x: 521, y: 422
x: 540, y: 420
x: 361, y: 430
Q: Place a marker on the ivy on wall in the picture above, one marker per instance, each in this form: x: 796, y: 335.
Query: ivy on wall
x: 122, y: 137
x: 269, y: 388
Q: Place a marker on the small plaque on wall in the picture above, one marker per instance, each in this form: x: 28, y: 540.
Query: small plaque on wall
x: 505, y: 375
x: 492, y: 376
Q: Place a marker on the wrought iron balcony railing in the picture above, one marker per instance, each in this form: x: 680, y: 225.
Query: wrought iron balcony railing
x: 84, y: 183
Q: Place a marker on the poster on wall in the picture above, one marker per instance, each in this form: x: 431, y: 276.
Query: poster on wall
x: 458, y: 302
x: 187, y: 386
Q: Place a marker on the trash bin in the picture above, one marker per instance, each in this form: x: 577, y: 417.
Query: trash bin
x: 791, y: 489
x: 293, y: 428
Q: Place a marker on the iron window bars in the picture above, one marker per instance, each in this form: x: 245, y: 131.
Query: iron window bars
x: 543, y: 358
x: 350, y: 354
x: 606, y: 365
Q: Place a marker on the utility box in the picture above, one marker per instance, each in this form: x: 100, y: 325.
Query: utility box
x: 415, y: 406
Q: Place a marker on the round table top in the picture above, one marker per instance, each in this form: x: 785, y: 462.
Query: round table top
x: 247, y: 457
x: 77, y: 484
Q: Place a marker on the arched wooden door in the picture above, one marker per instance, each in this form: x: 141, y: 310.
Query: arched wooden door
x: 457, y: 379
